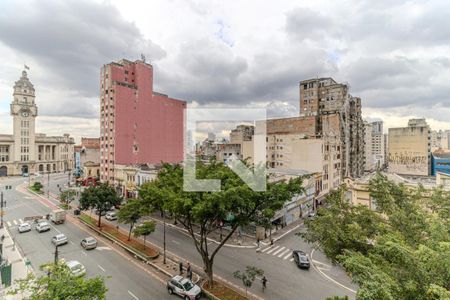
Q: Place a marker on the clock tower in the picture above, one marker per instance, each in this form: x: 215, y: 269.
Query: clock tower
x: 24, y: 112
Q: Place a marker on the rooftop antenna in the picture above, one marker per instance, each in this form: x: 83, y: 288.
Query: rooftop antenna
x: 143, y: 57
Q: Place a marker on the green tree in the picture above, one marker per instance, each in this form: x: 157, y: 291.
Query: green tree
x: 101, y: 198
x: 60, y: 284
x: 401, y: 251
x: 342, y: 226
x: 130, y: 213
x: 144, y: 229
x: 199, y: 211
x: 337, y: 298
x: 67, y: 197
x: 248, y: 276
x: 37, y: 186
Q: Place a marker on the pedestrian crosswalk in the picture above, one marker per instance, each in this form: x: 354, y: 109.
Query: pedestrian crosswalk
x: 278, y: 251
x: 14, y: 222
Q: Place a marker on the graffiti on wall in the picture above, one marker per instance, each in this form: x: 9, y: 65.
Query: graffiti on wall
x: 412, y: 163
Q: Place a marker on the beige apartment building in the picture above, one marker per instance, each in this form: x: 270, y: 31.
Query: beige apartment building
x: 25, y: 151
x: 410, y: 149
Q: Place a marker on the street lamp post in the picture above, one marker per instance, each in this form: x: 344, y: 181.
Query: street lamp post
x: 48, y: 185
x: 1, y: 207
x: 164, y: 234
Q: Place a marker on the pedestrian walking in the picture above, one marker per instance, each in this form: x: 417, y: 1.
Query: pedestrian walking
x: 257, y: 242
x: 189, y: 271
x: 181, y: 267
x: 264, y: 282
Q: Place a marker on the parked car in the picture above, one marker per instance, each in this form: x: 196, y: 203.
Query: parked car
x: 183, y: 287
x: 301, y: 259
x: 76, y: 268
x: 89, y: 243
x: 97, y: 212
x: 60, y: 239
x: 42, y: 226
x: 24, y: 227
x: 111, y: 216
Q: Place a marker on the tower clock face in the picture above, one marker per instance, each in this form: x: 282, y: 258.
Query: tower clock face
x: 25, y: 114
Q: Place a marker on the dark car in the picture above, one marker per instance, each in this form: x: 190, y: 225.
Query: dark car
x: 301, y: 259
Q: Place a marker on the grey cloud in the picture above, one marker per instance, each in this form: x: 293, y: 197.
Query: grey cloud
x: 71, y: 40
x: 304, y: 23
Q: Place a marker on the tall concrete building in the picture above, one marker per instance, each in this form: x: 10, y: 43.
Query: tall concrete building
x: 410, y: 149
x: 26, y: 151
x: 339, y: 121
x: 374, y: 146
x: 137, y: 124
x: 369, y: 163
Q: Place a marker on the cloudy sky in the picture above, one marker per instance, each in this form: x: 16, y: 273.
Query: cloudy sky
x: 394, y: 54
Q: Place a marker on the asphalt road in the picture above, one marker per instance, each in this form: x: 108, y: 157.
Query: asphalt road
x: 286, y: 280
x: 125, y: 279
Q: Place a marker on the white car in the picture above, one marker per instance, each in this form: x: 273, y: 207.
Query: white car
x: 60, y: 239
x: 89, y: 243
x: 111, y: 216
x: 183, y: 287
x: 76, y: 268
x: 42, y: 226
x: 24, y: 227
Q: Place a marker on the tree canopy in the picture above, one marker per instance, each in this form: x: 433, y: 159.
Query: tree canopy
x: 130, y: 213
x: 144, y: 229
x: 399, y: 251
x: 200, y: 212
x: 101, y: 198
x: 60, y: 284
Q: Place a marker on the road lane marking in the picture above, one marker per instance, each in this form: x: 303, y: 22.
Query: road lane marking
x: 291, y: 259
x: 133, y: 295
x: 321, y: 263
x: 9, y: 223
x: 328, y: 277
x: 15, y: 222
x: 287, y: 256
x: 20, y: 221
x: 103, y: 248
x: 84, y: 252
x: 279, y: 250
x: 176, y: 242
x: 265, y: 249
x: 284, y: 252
x: 268, y: 252
x: 72, y: 242
x: 101, y: 268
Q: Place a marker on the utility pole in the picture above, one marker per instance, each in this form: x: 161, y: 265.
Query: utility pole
x: 56, y: 254
x: 164, y: 234
x: 48, y: 185
x: 1, y: 207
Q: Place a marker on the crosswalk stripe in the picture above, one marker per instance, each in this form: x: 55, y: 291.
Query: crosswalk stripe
x: 268, y: 252
x: 279, y: 250
x: 20, y: 221
x: 287, y: 256
x: 284, y: 252
x: 291, y: 259
x: 15, y: 222
x: 265, y: 249
x: 9, y: 223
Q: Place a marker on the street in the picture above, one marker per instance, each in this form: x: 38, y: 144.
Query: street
x: 286, y: 280
x: 125, y: 278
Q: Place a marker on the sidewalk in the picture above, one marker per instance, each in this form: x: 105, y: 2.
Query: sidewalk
x: 14, y: 255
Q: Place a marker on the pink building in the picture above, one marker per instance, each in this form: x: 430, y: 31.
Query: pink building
x: 137, y: 124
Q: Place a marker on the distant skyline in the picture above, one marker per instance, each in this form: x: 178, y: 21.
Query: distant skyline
x: 394, y: 54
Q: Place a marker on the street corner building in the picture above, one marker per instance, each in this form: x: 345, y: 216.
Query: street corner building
x: 25, y: 151
x: 137, y: 124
